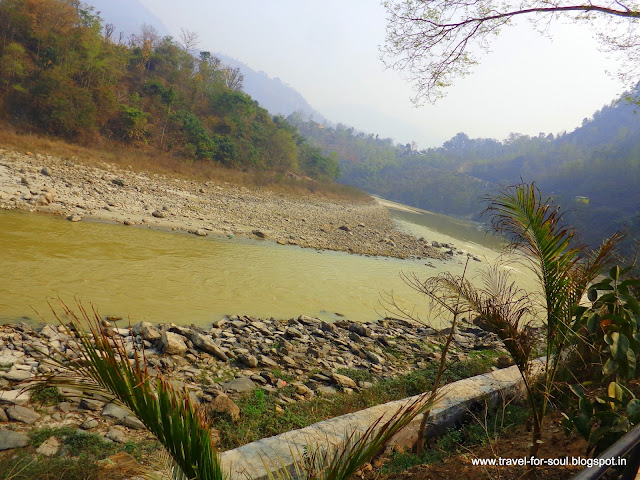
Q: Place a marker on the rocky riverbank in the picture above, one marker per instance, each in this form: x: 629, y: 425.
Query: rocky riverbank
x: 78, y: 191
x: 236, y: 355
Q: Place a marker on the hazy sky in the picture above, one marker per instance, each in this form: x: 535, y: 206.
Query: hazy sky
x: 328, y: 51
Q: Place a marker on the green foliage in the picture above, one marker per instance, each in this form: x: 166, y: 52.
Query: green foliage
x: 59, y: 75
x: 602, y: 407
x: 257, y: 410
x: 102, y: 366
x: 357, y: 374
x: 500, y: 423
x: 47, y: 396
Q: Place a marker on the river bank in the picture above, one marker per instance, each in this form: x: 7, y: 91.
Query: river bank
x: 291, y: 360
x: 77, y: 191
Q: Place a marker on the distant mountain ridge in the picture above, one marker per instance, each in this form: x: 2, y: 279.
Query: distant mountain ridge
x: 592, y: 172
x: 271, y: 93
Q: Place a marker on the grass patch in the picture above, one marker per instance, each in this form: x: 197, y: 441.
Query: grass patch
x: 47, y: 396
x: 83, y: 452
x: 79, y: 442
x: 258, y: 417
x: 357, y: 374
x: 459, y: 440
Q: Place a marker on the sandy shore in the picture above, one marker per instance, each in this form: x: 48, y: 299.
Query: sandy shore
x: 76, y: 191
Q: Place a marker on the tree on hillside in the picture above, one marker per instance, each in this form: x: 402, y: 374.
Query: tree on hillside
x: 434, y: 41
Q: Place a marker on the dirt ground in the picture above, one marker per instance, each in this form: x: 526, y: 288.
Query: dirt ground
x: 556, y: 445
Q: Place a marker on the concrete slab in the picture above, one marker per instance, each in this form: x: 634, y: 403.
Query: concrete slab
x: 455, y: 401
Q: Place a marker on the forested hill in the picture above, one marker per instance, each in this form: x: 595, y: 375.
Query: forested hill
x: 63, y: 73
x: 594, y: 171
x: 272, y: 93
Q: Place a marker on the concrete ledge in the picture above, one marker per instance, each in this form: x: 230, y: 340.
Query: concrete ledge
x: 456, y: 399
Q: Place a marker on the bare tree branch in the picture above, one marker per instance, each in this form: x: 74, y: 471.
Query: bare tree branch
x: 189, y: 40
x: 435, y: 41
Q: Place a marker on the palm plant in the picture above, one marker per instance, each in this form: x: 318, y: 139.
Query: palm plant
x: 564, y: 271
x: 99, y: 363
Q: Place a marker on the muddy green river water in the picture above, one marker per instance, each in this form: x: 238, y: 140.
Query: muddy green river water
x: 158, y: 276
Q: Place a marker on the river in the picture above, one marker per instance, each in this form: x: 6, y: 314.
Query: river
x: 159, y: 276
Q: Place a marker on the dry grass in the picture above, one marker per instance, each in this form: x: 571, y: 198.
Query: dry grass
x: 146, y: 159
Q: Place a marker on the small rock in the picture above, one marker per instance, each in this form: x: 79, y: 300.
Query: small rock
x: 173, y: 344
x: 222, y: 403
x: 45, y: 171
x: 133, y: 422
x: 259, y: 233
x: 248, y: 360
x: 240, y: 385
x: 159, y: 214
x: 359, y: 329
x: 49, y: 447
x: 326, y: 390
x: 375, y: 358
x: 147, y: 331
x: 113, y: 411
x: 22, y: 414
x: 199, y: 232
x: 89, y: 424
x: 117, y: 436
x: 10, y: 439
x: 267, y: 362
x: 15, y: 375
x: 206, y: 343
x: 74, y: 217
x: 343, y: 381
x: 91, y: 404
x: 504, y: 361
x: 118, y: 181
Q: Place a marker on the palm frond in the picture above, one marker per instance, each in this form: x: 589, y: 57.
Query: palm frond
x: 564, y: 267
x: 498, y: 303
x: 100, y: 363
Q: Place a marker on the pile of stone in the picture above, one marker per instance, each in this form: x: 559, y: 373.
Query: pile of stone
x: 236, y: 355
